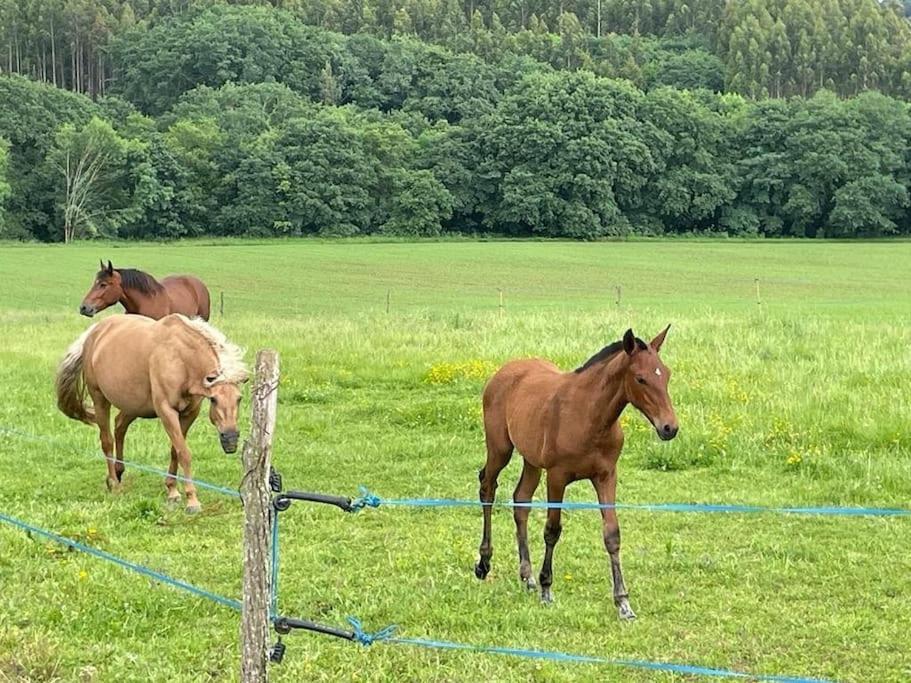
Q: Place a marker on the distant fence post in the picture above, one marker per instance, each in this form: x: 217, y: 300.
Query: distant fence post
x: 221, y: 305
x: 619, y: 293
x: 502, y: 306
x: 257, y: 500
x: 758, y: 300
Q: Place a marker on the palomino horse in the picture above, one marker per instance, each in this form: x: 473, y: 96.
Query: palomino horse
x: 153, y: 368
x: 569, y: 424
x: 140, y: 293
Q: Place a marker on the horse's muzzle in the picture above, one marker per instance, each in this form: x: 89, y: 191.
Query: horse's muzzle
x: 228, y: 441
x: 667, y: 432
x: 86, y: 310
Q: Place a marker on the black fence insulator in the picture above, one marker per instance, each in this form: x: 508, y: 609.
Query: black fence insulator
x: 283, y: 500
x: 277, y: 652
x: 275, y: 481
x: 284, y: 626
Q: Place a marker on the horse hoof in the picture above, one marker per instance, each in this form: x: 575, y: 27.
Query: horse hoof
x: 530, y: 584
x: 547, y: 597
x: 113, y: 485
x: 481, y: 570
x: 626, y: 612
x: 172, y: 503
x: 194, y: 509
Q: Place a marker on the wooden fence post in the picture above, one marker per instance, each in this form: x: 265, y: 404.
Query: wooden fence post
x: 257, y: 500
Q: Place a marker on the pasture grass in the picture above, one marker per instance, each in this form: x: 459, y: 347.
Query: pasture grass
x: 801, y: 399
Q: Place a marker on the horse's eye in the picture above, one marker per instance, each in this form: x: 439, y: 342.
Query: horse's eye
x: 641, y: 380
x: 214, y: 401
x: 102, y: 285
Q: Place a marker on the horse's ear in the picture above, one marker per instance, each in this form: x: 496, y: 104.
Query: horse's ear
x: 101, y: 265
x: 110, y: 268
x: 629, y: 342
x: 659, y: 340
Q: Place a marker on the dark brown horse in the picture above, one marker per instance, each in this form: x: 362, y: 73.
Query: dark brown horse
x: 568, y: 423
x: 140, y: 293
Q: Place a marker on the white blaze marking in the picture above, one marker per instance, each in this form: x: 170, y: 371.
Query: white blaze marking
x: 658, y: 372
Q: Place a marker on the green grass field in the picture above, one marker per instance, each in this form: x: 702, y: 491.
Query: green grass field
x: 802, y: 399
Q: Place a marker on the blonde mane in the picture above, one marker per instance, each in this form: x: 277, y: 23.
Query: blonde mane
x: 232, y: 368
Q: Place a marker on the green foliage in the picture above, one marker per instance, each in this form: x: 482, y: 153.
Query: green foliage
x: 151, y: 50
x: 95, y: 175
x: 419, y: 204
x: 559, y: 148
x: 245, y: 120
x: 5, y: 189
x: 30, y: 115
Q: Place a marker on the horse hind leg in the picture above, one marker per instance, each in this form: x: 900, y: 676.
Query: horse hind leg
x: 499, y: 452
x: 121, y: 425
x: 524, y: 492
x: 556, y: 486
x: 103, y: 420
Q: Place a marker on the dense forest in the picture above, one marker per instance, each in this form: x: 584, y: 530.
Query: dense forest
x: 158, y: 119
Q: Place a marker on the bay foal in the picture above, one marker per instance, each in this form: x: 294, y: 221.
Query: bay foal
x: 568, y: 423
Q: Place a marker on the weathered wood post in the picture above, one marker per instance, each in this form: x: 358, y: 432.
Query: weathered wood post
x: 258, y: 513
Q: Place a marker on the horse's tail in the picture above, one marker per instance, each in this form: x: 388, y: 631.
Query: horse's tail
x: 70, y: 383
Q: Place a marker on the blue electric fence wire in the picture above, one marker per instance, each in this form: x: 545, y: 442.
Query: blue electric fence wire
x: 273, y: 599
x: 234, y: 493
x: 388, y: 635
x: 367, y: 499
x: 132, y: 566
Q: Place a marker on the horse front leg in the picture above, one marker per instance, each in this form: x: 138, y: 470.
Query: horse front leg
x: 606, y: 488
x: 170, y: 481
x: 172, y: 422
x: 556, y: 487
x: 497, y: 459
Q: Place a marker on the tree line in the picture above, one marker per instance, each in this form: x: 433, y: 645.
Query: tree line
x: 246, y: 121
x: 757, y: 48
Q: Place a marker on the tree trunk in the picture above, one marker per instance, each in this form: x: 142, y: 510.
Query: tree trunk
x: 54, y: 52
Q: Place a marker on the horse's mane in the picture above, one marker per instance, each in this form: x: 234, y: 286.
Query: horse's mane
x: 230, y: 356
x: 606, y: 353
x: 131, y: 278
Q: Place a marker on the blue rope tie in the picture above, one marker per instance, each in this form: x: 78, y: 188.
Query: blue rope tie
x: 364, y: 638
x: 132, y: 566
x: 366, y: 499
x: 234, y: 493
x: 387, y: 635
x: 372, y: 500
